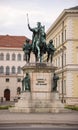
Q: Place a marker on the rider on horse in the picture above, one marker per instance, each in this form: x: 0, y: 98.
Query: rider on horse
x: 35, y: 37
x: 43, y: 39
x: 38, y: 40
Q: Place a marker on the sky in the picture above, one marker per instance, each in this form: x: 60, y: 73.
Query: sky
x: 13, y: 14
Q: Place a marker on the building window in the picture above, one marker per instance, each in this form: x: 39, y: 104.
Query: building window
x: 7, y: 56
x: 13, y: 57
x: 61, y: 60
x: 19, y: 57
x: 19, y: 80
x: 18, y: 90
x: 13, y: 70
x: 1, y: 69
x: 60, y: 86
x: 1, y: 56
x: 7, y: 80
x: 62, y: 37
x: 19, y: 70
x: 7, y: 70
x: 65, y: 34
x: 56, y: 43
x: 64, y: 59
x: 59, y: 39
x: 58, y: 61
x: 64, y: 87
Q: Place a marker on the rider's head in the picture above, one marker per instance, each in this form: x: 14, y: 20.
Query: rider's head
x: 38, y: 24
x: 51, y: 41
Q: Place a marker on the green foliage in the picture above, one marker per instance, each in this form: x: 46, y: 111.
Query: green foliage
x: 4, y: 107
x: 72, y: 107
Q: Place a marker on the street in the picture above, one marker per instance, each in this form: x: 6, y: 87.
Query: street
x: 36, y: 127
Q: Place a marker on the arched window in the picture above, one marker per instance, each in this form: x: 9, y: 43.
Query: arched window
x: 7, y: 70
x: 19, y: 57
x: 7, y: 56
x: 13, y: 70
x: 13, y: 56
x: 1, y: 56
x: 1, y: 69
x: 18, y: 90
x: 19, y: 70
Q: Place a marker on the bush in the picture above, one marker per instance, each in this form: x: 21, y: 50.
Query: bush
x: 72, y: 107
x: 4, y: 107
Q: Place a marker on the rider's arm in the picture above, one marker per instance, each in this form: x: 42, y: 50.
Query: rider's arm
x: 31, y: 29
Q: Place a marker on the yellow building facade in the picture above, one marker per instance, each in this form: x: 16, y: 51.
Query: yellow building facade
x: 64, y: 33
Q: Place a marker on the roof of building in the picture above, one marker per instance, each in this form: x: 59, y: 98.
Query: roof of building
x: 74, y: 8
x: 12, y: 41
x: 64, y: 12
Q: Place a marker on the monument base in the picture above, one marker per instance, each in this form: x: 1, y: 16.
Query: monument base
x: 56, y: 105
x: 40, y: 106
x: 52, y: 105
x: 40, y: 98
x: 23, y: 104
x: 27, y: 104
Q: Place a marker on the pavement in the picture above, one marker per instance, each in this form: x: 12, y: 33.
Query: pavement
x: 65, y: 118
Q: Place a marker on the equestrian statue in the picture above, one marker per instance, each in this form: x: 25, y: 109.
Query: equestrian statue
x: 39, y: 46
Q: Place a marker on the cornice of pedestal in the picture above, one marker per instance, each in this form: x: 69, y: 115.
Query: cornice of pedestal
x: 39, y: 67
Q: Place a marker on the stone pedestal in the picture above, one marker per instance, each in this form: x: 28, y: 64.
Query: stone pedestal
x: 40, y: 99
x: 23, y: 104
x: 56, y: 105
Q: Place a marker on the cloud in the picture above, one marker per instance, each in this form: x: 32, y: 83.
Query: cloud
x: 13, y: 19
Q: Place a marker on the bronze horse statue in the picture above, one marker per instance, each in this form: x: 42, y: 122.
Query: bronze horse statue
x: 38, y: 41
x: 39, y: 46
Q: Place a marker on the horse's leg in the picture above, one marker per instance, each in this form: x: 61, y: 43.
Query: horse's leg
x: 48, y: 57
x: 40, y: 59
x: 36, y: 57
x: 28, y: 57
x: 38, y: 52
x: 51, y: 58
x: 38, y: 49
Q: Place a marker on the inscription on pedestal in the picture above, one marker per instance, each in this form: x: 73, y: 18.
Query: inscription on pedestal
x: 41, y: 82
